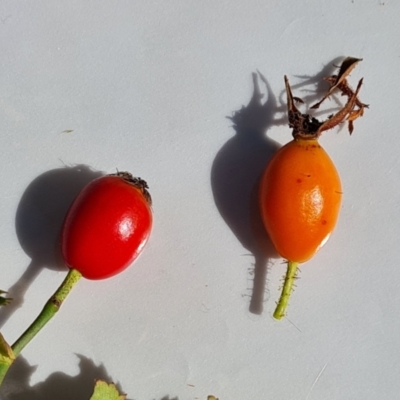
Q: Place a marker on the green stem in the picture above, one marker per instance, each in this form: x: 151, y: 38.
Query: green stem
x: 48, y: 312
x: 287, y: 290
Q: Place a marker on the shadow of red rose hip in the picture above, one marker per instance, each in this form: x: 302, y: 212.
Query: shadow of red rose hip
x: 39, y: 218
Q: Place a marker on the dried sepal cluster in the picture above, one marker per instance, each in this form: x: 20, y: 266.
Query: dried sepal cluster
x: 307, y: 127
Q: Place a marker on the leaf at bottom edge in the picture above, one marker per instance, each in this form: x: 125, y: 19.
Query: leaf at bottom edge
x: 106, y: 391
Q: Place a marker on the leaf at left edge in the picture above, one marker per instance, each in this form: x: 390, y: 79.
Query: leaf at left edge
x: 106, y: 391
x: 4, y: 301
x: 6, y: 354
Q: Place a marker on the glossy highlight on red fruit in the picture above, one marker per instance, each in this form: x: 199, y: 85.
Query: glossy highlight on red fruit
x: 107, y: 226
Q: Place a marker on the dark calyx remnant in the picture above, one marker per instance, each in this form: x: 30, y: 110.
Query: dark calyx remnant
x: 138, y: 183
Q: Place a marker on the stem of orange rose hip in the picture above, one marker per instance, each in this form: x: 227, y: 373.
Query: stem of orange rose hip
x: 48, y: 312
x: 286, y: 290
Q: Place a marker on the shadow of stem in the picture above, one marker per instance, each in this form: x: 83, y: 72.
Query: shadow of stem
x: 235, y: 174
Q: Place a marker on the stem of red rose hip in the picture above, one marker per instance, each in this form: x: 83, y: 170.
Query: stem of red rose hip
x: 286, y: 290
x: 48, y: 312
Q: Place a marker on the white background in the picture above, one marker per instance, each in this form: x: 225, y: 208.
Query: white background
x: 147, y: 86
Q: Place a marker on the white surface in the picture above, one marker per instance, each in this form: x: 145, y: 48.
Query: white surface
x: 146, y: 86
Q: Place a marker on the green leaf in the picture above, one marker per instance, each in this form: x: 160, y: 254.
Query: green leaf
x: 4, y: 300
x: 106, y: 391
x: 6, y: 354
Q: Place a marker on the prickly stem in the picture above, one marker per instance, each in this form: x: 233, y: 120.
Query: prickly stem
x: 286, y: 290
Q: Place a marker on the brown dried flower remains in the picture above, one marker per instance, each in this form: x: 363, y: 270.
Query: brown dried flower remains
x: 307, y: 127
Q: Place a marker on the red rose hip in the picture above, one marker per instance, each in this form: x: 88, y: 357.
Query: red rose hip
x: 107, y: 226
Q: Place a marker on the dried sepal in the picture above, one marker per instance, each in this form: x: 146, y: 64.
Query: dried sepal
x: 346, y: 90
x: 303, y: 125
x: 298, y: 100
x: 348, y: 64
x: 347, y: 112
x: 339, y: 80
x: 307, y: 127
